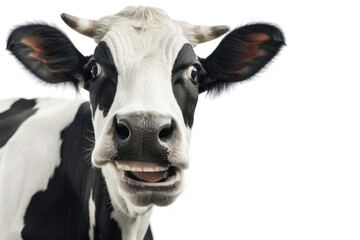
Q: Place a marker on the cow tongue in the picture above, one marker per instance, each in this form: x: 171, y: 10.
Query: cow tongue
x: 150, y: 176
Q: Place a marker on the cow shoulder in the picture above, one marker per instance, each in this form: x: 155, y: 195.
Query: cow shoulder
x: 14, y: 115
x: 30, y: 155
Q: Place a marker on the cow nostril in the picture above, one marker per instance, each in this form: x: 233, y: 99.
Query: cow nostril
x: 122, y: 130
x: 166, y: 132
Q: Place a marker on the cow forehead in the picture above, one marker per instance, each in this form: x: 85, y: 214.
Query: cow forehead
x: 142, y: 32
x: 144, y: 50
x: 144, y: 62
x: 141, y: 19
x: 155, y: 46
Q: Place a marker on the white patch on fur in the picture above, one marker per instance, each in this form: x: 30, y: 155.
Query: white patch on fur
x: 29, y: 159
x: 132, y: 228
x: 92, y: 221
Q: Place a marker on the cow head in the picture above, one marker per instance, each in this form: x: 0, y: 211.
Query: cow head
x: 144, y: 79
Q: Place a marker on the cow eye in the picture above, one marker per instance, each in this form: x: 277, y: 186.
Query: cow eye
x: 192, y: 72
x: 95, y: 69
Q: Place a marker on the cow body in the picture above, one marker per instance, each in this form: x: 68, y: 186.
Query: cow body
x: 94, y: 170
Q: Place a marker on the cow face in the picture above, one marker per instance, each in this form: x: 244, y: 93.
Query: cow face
x: 143, y: 81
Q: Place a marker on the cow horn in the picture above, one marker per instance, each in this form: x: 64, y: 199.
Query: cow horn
x: 207, y: 33
x: 84, y: 26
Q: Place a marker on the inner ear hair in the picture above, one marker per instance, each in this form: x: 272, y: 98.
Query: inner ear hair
x: 47, y: 53
x: 241, y: 55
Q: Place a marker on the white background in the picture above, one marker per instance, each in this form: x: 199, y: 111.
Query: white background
x: 277, y: 157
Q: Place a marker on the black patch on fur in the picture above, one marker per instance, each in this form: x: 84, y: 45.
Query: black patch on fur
x: 48, y: 54
x: 184, y: 89
x: 239, y: 57
x: 62, y: 210
x: 102, y: 88
x: 11, y: 119
x: 148, y: 234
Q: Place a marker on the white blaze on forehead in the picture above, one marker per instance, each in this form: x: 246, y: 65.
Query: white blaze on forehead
x: 144, y: 60
x: 144, y: 67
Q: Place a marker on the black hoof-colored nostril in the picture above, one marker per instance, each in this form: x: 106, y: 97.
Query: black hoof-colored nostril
x: 143, y: 135
x: 122, y: 130
x: 166, y: 132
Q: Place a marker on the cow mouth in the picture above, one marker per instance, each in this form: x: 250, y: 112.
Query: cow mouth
x: 148, y: 175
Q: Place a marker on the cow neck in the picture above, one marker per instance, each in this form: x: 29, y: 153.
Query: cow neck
x: 115, y: 217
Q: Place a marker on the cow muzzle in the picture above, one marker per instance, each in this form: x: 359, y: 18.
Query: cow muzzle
x: 144, y: 137
x: 143, y: 143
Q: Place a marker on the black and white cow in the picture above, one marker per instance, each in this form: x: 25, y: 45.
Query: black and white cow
x: 94, y: 170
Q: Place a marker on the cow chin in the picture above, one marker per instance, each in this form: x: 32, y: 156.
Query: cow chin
x: 152, y: 181
x: 143, y: 193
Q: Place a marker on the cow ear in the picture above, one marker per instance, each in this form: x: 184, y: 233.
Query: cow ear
x: 47, y: 53
x: 240, y: 55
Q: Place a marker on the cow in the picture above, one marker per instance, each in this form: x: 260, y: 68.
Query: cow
x: 78, y: 169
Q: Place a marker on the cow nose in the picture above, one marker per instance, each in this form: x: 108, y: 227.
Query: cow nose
x: 143, y: 136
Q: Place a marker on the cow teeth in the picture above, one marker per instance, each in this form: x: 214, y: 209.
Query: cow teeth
x: 122, y: 166
x: 148, y: 170
x: 127, y: 167
x: 160, y: 169
x: 135, y: 169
